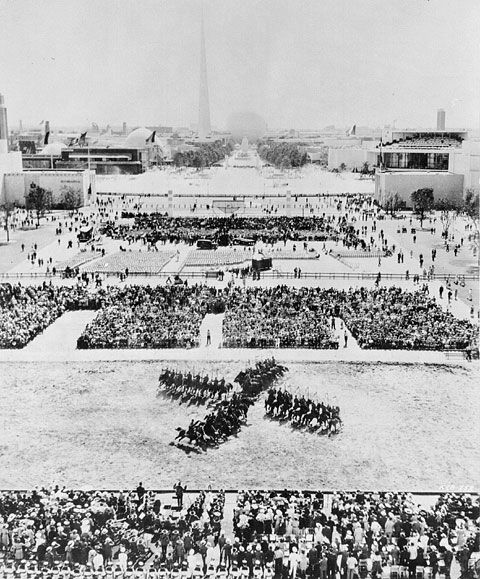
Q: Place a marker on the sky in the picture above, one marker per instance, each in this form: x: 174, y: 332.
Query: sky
x: 297, y: 63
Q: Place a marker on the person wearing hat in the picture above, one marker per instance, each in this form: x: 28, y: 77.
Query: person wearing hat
x: 123, y: 559
x: 244, y: 569
x: 176, y: 571
x: 179, y: 491
x: 293, y: 562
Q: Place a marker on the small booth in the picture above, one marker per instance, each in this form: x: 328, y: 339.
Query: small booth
x: 85, y: 234
x: 260, y: 262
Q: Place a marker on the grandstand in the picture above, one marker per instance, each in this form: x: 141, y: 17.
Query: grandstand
x: 425, y: 142
x: 134, y: 261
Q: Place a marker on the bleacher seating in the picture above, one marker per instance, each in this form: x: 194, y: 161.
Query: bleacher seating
x: 78, y: 260
x: 425, y: 143
x: 218, y: 257
x: 134, y: 261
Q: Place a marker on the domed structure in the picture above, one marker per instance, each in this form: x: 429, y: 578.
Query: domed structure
x: 54, y: 149
x: 136, y: 139
x: 246, y: 124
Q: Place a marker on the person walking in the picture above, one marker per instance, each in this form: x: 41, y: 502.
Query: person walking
x: 209, y: 338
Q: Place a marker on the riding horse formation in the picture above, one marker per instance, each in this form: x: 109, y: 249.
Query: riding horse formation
x: 189, y: 389
x: 230, y: 404
x: 218, y: 425
x: 303, y: 412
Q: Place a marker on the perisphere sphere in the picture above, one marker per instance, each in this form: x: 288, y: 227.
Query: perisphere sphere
x: 246, y: 124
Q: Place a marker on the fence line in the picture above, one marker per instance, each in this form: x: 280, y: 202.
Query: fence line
x: 274, y: 274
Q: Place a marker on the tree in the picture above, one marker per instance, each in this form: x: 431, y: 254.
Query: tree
x: 178, y: 159
x: 448, y: 211
x: 470, y: 209
x: 422, y: 201
x: 8, y: 207
x: 71, y: 198
x: 393, y: 203
x: 39, y: 200
x: 283, y: 155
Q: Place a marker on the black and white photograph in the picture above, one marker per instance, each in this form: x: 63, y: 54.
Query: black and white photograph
x: 239, y: 289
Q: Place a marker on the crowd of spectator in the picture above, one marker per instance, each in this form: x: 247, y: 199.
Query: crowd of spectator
x: 278, y: 317
x: 426, y: 142
x: 389, y: 318
x: 360, y: 534
x: 255, y: 317
x: 149, y: 317
x: 25, y: 311
x: 157, y: 227
x: 380, y: 318
x: 55, y: 532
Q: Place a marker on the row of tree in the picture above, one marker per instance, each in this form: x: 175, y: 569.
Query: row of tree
x: 205, y: 155
x: 364, y: 170
x: 423, y: 202
x: 39, y: 201
x: 283, y: 155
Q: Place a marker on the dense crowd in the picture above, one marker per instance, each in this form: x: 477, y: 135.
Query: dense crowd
x: 380, y: 318
x: 156, y: 227
x: 278, y: 317
x: 361, y: 534
x: 149, y: 317
x: 59, y: 533
x: 25, y: 311
x: 56, y: 532
x: 302, y: 412
x: 255, y: 317
x: 187, y: 388
x: 389, y: 318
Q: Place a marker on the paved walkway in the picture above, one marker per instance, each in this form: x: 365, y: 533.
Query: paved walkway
x: 344, y: 336
x: 61, y: 336
x: 212, y: 323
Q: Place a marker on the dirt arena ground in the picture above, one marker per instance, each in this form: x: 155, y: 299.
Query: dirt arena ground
x: 101, y: 425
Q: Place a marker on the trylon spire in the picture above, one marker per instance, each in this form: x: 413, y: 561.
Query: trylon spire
x: 204, y: 127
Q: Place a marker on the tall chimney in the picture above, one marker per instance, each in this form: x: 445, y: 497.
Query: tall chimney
x: 3, y: 127
x: 440, y: 120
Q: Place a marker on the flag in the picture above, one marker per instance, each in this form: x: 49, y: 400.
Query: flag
x: 73, y: 141
x: 151, y: 138
x: 352, y: 131
x: 81, y: 138
x: 41, y: 122
x: 45, y: 140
